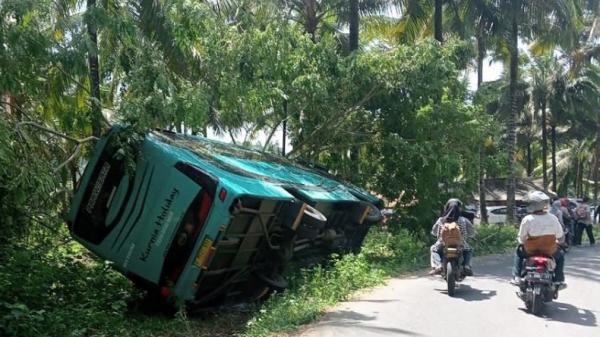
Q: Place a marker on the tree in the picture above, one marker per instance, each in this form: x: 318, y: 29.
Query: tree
x: 522, y: 18
x: 574, y: 103
x: 541, y: 86
x: 96, y: 102
x: 354, y: 18
x: 352, y: 14
x: 438, y: 31
x: 476, y: 18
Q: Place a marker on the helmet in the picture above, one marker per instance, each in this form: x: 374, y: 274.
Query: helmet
x: 536, y: 201
x: 454, y: 201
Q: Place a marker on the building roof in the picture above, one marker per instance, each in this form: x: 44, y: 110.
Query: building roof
x: 495, y: 189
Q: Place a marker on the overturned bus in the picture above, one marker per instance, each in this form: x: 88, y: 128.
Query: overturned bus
x: 200, y: 222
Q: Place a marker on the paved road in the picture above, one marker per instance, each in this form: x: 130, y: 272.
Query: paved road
x: 484, y: 306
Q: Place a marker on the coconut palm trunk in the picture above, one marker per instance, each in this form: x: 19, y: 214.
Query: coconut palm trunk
x: 596, y: 160
x: 482, y: 201
x: 511, y: 127
x: 544, y: 143
x: 437, y: 21
x: 553, y: 146
x: 94, y: 72
x: 354, y: 23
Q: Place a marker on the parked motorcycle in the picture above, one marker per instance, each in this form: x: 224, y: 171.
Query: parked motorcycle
x: 452, y: 269
x: 537, y: 286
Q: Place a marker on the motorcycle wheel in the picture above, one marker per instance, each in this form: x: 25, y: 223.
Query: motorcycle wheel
x: 450, y: 278
x: 537, y: 300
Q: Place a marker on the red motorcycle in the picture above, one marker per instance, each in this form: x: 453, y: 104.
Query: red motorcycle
x: 537, y: 286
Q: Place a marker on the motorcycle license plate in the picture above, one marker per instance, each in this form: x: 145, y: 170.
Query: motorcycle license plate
x: 536, y: 275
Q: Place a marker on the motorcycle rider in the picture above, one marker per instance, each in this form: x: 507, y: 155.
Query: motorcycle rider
x: 452, y: 213
x: 539, y: 223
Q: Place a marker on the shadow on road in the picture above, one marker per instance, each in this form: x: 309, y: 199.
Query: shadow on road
x: 567, y: 313
x: 347, y: 316
x: 354, y: 320
x: 470, y: 294
x: 374, y: 301
x: 584, y: 267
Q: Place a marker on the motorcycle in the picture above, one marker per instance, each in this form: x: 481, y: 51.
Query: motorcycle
x: 452, y: 269
x: 537, y: 286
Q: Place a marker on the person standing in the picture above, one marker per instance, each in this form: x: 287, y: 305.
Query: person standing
x: 584, y: 222
x: 555, y: 210
x: 568, y: 218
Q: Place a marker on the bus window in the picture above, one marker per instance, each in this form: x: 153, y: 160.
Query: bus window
x: 91, y: 221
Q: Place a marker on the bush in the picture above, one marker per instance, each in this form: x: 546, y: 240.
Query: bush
x: 494, y: 239
x: 63, y: 291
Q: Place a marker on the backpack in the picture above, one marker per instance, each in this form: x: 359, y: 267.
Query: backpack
x: 581, y: 212
x: 451, y: 235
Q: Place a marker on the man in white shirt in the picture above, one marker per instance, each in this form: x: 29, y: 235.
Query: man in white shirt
x: 537, y: 224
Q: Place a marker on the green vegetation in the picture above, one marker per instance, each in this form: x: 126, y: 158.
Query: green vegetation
x: 55, y: 290
x: 61, y: 290
x: 386, y: 107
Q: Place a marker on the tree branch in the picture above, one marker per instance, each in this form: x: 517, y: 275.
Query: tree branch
x: 232, y: 136
x: 343, y: 115
x: 56, y: 133
x: 268, y: 140
x: 70, y: 159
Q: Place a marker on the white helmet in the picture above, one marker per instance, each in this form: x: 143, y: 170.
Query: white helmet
x: 537, y: 201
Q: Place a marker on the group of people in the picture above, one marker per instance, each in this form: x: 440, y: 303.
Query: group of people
x: 575, y: 220
x: 541, y: 223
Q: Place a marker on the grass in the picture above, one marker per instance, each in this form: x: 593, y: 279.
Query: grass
x: 64, y: 291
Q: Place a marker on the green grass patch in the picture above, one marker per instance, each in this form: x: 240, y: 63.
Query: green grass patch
x: 494, y: 239
x: 66, y: 292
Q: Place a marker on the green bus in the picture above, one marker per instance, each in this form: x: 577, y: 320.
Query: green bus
x: 199, y: 222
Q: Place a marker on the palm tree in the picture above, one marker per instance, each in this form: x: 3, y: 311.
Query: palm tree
x: 438, y: 31
x: 417, y: 17
x: 151, y: 18
x: 352, y: 14
x: 522, y: 18
x: 94, y: 68
x: 476, y: 18
x: 354, y: 24
x: 309, y: 13
x: 541, y: 85
x: 574, y: 103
